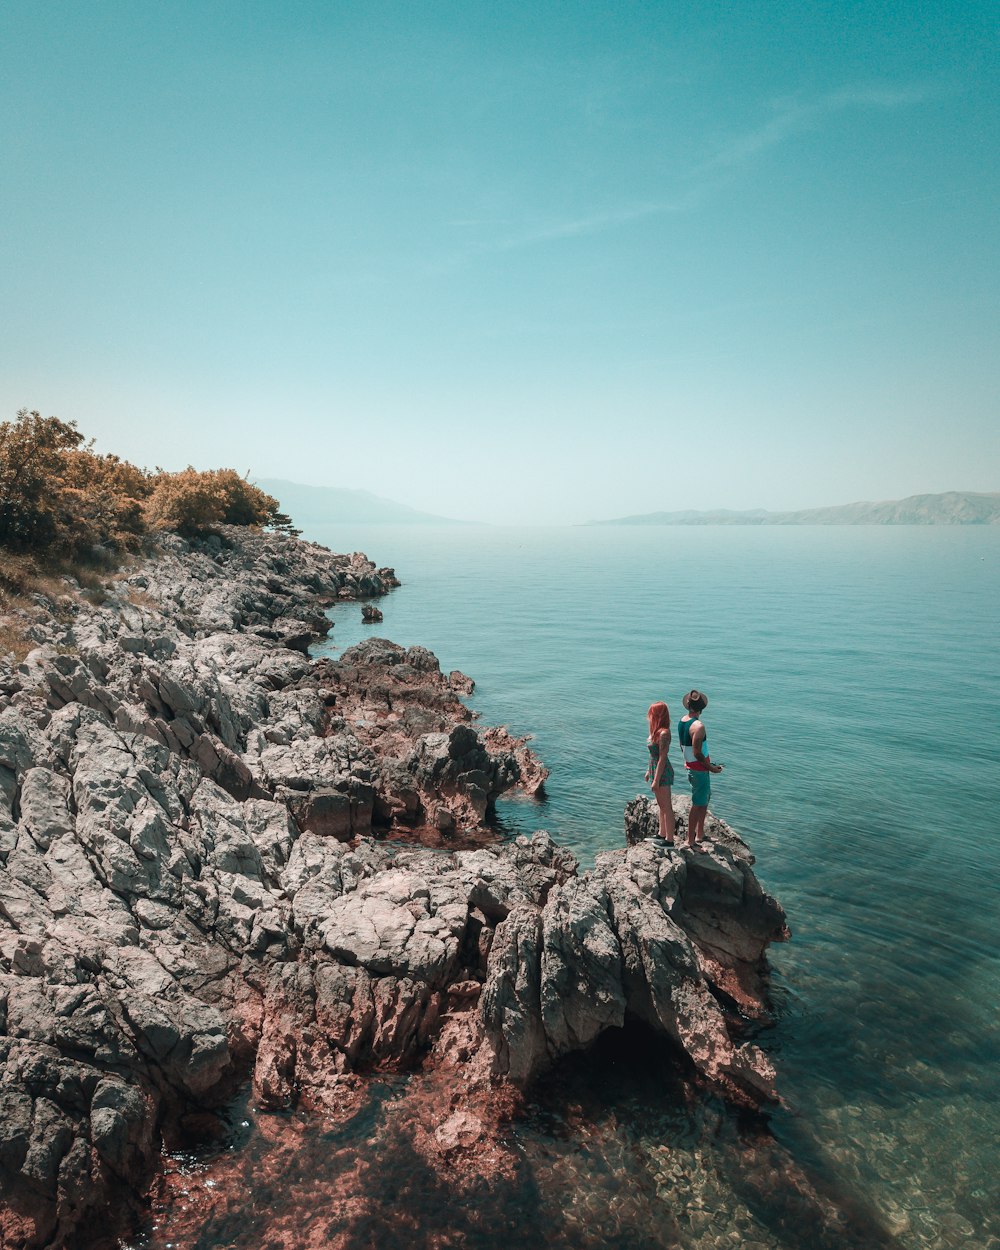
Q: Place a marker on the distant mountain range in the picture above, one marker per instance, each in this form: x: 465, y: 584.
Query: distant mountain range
x: 322, y: 505
x: 954, y: 507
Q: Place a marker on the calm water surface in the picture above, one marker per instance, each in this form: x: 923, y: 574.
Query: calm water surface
x: 854, y: 676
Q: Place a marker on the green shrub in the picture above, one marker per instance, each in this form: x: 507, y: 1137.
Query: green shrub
x: 63, y: 503
x: 187, y: 502
x: 245, y: 504
x: 103, y: 501
x: 193, y: 502
x: 32, y: 454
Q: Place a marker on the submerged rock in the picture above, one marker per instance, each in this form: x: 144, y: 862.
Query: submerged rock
x: 196, y: 889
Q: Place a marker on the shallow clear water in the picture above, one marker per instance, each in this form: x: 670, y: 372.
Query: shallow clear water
x: 854, y: 677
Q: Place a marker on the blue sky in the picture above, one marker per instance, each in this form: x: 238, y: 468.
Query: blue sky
x: 506, y: 262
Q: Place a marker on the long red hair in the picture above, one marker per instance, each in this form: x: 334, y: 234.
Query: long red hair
x: 659, y: 719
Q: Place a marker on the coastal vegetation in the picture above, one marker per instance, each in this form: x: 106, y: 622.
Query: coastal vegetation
x: 67, y: 510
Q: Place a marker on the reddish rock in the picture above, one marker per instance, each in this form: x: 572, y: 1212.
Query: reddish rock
x: 431, y: 770
x: 461, y: 684
x: 531, y: 772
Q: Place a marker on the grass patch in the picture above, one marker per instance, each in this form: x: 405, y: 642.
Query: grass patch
x: 143, y: 599
x: 17, y: 575
x: 14, y: 642
x: 52, y: 586
x: 21, y: 577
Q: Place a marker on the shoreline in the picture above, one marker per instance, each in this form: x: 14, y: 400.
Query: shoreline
x: 199, y: 890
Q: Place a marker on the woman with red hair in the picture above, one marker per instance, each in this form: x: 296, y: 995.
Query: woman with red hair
x: 660, y: 773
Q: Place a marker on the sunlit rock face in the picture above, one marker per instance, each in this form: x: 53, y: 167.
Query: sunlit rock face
x: 652, y: 933
x: 202, y: 882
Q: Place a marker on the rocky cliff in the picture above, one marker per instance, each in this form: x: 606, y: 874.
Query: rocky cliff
x: 221, y: 860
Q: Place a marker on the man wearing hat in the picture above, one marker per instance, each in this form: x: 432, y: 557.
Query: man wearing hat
x: 699, y: 766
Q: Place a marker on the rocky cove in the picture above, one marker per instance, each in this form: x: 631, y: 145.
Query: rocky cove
x: 225, y: 864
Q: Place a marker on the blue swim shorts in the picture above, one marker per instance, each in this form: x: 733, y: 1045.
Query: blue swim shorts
x: 701, y: 787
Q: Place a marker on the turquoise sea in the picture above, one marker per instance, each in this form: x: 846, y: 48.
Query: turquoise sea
x: 854, y: 683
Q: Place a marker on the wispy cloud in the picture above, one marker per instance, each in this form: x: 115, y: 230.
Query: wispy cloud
x: 593, y: 223
x: 882, y: 95
x: 792, y: 117
x: 532, y: 234
x: 480, y: 221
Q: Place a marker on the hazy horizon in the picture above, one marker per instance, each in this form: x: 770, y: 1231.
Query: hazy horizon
x: 312, y: 515
x: 551, y: 265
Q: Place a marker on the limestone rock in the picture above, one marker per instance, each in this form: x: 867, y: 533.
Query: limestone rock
x: 651, y: 933
x: 193, y: 890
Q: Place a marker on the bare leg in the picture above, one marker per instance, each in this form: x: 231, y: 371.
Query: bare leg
x: 696, y: 824
x: 664, y: 803
x: 670, y: 822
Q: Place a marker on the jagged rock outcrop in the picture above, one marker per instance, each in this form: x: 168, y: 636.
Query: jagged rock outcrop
x: 652, y: 933
x: 191, y: 894
x: 431, y: 767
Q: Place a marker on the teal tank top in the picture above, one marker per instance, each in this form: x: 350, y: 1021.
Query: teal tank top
x: 690, y: 760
